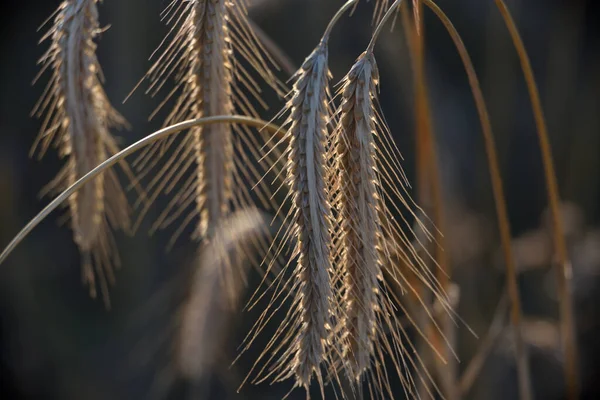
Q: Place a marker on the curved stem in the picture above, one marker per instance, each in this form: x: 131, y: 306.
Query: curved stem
x: 160, y: 134
x: 560, y: 247
x: 430, y: 189
x: 525, y: 389
x: 335, y: 19
x: 379, y: 27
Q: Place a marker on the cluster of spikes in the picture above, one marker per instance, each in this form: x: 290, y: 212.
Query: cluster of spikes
x: 344, y: 223
x: 342, y: 218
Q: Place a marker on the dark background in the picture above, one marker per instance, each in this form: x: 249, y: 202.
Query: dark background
x: 56, y: 343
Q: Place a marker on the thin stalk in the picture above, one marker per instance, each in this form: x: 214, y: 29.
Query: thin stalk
x: 381, y: 24
x: 560, y: 246
x: 429, y: 182
x: 335, y: 19
x: 158, y: 135
x: 525, y: 389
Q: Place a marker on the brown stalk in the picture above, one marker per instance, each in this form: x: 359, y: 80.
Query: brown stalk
x: 525, y: 389
x: 560, y: 247
x: 429, y: 182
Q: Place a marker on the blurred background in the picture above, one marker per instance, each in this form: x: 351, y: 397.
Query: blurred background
x: 57, y: 343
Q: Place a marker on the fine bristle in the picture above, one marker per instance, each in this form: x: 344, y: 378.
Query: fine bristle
x: 381, y: 7
x: 77, y: 119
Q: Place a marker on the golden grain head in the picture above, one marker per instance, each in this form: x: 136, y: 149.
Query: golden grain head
x: 211, y: 43
x: 77, y: 117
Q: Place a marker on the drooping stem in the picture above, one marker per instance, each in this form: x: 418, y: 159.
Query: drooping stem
x: 393, y: 8
x: 335, y: 19
x: 429, y: 184
x: 525, y: 389
x: 560, y: 247
x: 158, y: 135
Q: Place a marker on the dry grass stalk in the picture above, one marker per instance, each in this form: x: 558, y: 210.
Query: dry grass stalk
x: 429, y: 182
x: 495, y: 331
x: 212, y: 163
x: 525, y: 389
x: 171, y: 371
x: 119, y: 157
x: 364, y: 192
x: 78, y: 116
x: 564, y: 273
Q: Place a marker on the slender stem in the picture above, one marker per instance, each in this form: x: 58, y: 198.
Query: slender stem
x: 160, y: 134
x: 335, y: 19
x: 379, y: 27
x: 429, y: 184
x: 560, y: 247
x: 525, y: 389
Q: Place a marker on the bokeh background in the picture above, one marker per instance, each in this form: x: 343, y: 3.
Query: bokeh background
x: 57, y: 343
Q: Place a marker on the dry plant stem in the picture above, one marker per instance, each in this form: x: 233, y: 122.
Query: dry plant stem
x: 429, y: 182
x: 525, y: 388
x: 560, y: 247
x: 393, y: 9
x: 158, y: 135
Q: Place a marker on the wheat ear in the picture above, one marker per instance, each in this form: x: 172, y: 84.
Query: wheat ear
x: 77, y: 120
x: 301, y: 343
x: 359, y: 218
x: 306, y: 160
x: 371, y: 189
x: 212, y: 163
